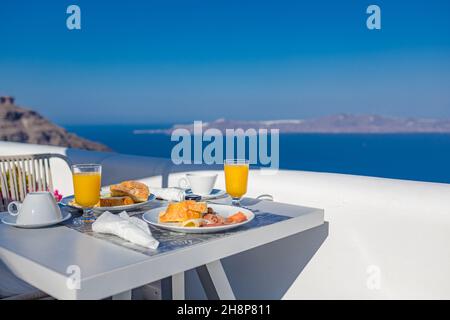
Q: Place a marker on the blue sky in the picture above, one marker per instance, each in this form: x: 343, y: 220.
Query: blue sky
x: 173, y: 61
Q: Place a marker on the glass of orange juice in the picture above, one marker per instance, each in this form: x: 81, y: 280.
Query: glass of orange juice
x: 86, y: 185
x: 236, y: 177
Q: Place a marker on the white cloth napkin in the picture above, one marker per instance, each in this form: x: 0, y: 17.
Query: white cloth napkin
x: 169, y: 194
x: 129, y: 228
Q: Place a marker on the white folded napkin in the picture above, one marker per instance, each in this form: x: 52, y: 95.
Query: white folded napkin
x: 129, y: 228
x: 169, y: 194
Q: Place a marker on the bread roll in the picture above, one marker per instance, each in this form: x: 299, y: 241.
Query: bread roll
x: 115, y: 201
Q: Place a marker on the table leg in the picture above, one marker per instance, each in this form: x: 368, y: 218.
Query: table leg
x: 215, y: 281
x: 126, y: 295
x: 178, y: 291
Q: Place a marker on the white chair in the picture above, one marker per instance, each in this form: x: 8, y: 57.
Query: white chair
x: 25, y: 173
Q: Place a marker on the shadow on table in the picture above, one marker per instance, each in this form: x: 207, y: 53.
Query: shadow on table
x: 268, y: 271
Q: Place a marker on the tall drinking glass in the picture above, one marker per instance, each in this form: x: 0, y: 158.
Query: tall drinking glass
x: 86, y: 185
x: 236, y: 178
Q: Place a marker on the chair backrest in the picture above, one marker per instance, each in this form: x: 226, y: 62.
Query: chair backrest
x: 25, y: 173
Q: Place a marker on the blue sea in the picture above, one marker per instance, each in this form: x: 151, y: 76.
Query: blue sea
x: 424, y: 157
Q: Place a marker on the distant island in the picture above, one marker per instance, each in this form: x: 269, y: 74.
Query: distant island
x: 23, y: 125
x: 339, y: 123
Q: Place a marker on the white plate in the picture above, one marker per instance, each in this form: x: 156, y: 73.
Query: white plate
x: 11, y: 220
x: 66, y: 200
x: 215, y: 193
x: 152, y: 217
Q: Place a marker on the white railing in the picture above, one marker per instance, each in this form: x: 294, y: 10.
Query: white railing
x: 385, y: 238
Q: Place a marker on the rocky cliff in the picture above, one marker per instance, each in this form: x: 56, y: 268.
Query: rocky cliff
x: 23, y: 125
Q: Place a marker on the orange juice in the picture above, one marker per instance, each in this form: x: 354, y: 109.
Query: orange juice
x: 236, y: 176
x: 87, y: 188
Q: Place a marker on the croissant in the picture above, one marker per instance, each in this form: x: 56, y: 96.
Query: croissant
x: 182, y: 211
x: 137, y: 191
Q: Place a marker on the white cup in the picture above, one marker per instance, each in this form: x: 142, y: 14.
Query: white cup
x: 37, y: 208
x: 200, y: 183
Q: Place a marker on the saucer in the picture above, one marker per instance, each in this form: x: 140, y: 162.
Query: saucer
x: 11, y: 220
x: 215, y: 193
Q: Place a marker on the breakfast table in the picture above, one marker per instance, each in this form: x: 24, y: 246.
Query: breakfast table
x: 69, y: 261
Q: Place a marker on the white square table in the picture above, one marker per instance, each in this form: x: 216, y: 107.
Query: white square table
x: 51, y: 258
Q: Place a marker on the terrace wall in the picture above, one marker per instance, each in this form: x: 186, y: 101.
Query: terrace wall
x: 385, y: 238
